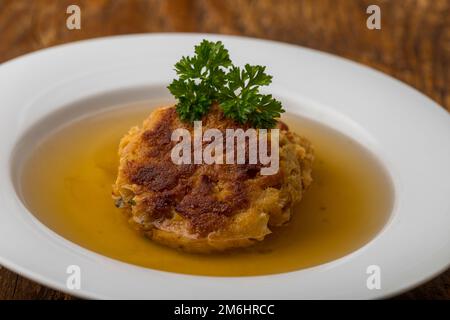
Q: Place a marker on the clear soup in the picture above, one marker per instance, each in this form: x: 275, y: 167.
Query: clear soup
x: 66, y: 184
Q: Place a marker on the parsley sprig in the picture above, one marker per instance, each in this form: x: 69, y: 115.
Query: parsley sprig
x: 209, y: 76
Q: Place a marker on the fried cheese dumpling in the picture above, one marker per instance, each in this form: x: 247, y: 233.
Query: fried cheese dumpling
x: 205, y: 207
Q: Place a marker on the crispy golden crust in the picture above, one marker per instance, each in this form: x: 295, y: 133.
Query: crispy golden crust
x: 203, y: 208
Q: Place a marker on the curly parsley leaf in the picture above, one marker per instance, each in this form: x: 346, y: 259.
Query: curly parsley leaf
x: 241, y: 100
x: 209, y: 77
x: 194, y: 100
x: 200, y: 79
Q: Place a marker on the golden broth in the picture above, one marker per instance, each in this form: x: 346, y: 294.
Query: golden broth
x: 67, y: 182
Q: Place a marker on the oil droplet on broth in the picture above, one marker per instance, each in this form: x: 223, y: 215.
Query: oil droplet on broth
x: 66, y: 183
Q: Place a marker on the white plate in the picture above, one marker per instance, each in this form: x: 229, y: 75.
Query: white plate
x: 406, y: 130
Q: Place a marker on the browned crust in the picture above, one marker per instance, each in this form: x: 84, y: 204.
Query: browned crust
x: 206, y: 195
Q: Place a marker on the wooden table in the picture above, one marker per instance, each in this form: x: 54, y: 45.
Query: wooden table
x: 413, y: 45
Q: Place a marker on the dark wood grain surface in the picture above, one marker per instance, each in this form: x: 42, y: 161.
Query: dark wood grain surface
x: 413, y: 45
